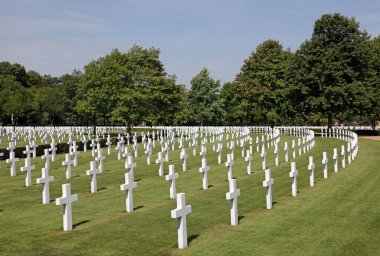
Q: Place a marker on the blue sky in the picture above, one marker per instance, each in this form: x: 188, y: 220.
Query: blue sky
x: 56, y: 36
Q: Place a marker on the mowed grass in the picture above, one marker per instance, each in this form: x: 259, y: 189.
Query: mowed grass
x: 339, y: 216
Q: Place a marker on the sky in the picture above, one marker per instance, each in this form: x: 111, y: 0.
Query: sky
x: 57, y: 36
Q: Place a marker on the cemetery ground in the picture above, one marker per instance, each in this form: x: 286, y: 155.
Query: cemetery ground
x: 338, y: 216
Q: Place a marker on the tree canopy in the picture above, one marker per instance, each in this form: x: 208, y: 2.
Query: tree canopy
x: 333, y: 77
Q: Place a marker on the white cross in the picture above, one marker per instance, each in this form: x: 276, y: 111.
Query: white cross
x: 100, y: 158
x: 75, y: 152
x: 47, y: 157
x: 343, y: 157
x: 229, y: 164
x: 160, y: 161
x: 98, y: 147
x: 172, y: 176
x: 232, y: 195
x: 293, y: 174
x: 180, y: 213
x: 232, y: 148
x: 299, y: 147
x: 324, y: 162
x: 68, y: 162
x: 204, y: 169
x: 263, y: 156
x: 11, y: 146
x: 27, y: 151
x: 294, y: 149
x: 286, y: 148
x: 167, y: 152
x: 129, y: 164
x: 248, y: 159
x: 53, y: 150
x: 12, y: 160
x: 128, y: 187
x: 28, y: 169
x: 119, y: 149
x: 257, y: 144
x: 148, y: 151
x: 126, y: 153
x: 349, y: 153
x: 335, y: 157
x: 93, y: 172
x: 304, y: 144
x: 66, y: 200
x: 311, y: 168
x: 45, y: 180
x: 276, y: 153
x: 183, y: 156
x: 109, y: 143
x: 136, y: 148
x: 70, y: 142
x: 242, y: 143
x: 195, y: 147
x: 267, y: 183
x: 34, y: 146
x: 219, y: 150
x: 203, y: 153
x: 84, y: 144
x: 93, y: 145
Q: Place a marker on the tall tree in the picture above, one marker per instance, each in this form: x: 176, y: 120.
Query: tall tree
x: 328, y: 67
x: 235, y: 104
x: 130, y: 88
x: 203, y: 99
x: 15, y: 99
x: 262, y: 83
x: 14, y: 70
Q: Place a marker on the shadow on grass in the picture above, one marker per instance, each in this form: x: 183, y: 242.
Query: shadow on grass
x: 80, y: 223
x: 76, y: 176
x: 103, y: 188
x: 240, y: 218
x: 191, y: 238
x: 138, y: 207
x: 138, y: 180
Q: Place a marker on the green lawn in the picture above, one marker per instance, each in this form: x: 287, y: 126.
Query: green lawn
x: 339, y: 216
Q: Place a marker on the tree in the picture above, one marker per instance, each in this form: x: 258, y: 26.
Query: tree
x: 68, y: 84
x: 14, y: 70
x: 328, y: 67
x: 235, y: 104
x: 261, y: 81
x: 203, y: 99
x: 14, y: 97
x: 130, y: 88
x: 34, y: 79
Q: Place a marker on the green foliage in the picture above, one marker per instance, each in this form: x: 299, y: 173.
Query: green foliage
x: 203, y: 99
x: 235, y: 104
x: 14, y: 70
x: 262, y: 82
x: 325, y: 75
x: 128, y: 88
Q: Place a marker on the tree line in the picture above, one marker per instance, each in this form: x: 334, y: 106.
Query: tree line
x: 333, y: 77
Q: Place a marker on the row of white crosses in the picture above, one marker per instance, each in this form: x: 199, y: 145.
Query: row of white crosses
x: 232, y: 195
